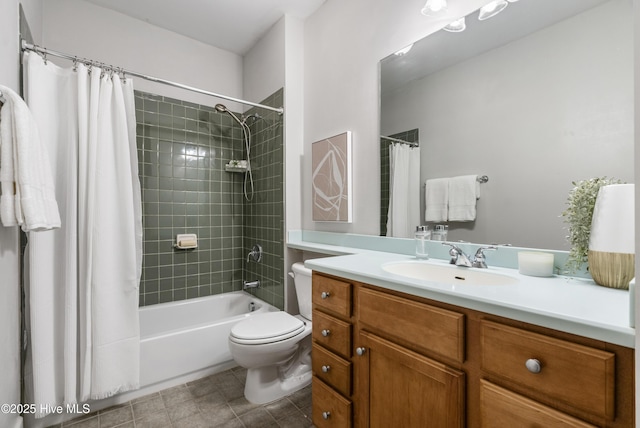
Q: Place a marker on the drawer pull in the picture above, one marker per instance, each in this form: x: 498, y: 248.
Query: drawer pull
x: 325, y: 369
x: 533, y: 365
x: 326, y: 415
x: 360, y: 351
x: 326, y: 333
x: 325, y: 295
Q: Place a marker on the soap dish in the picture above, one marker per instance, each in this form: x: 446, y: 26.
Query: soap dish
x: 186, y: 241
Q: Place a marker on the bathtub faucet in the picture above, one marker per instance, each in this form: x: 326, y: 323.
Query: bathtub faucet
x: 250, y: 284
x: 255, y: 253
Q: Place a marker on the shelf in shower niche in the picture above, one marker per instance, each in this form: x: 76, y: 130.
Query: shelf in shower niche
x: 235, y: 168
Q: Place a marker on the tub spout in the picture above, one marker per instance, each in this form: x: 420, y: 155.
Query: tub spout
x: 250, y: 284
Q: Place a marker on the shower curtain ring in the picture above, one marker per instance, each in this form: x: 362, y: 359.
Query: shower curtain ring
x: 75, y: 63
x: 41, y: 52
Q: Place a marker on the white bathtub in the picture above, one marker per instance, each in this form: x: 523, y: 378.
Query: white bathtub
x: 179, y: 338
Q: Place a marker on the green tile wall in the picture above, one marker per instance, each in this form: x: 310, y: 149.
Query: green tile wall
x: 264, y: 214
x: 410, y: 136
x: 182, y: 150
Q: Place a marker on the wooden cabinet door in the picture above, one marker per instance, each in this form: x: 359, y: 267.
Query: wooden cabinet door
x: 400, y: 388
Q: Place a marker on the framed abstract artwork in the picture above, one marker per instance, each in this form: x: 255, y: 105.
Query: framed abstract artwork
x: 331, y: 179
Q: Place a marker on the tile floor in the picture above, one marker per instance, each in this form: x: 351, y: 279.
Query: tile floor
x: 214, y: 401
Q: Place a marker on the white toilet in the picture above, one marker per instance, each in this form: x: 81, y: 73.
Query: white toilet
x: 275, y: 347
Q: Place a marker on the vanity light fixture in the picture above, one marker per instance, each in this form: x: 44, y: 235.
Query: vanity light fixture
x: 491, y: 9
x: 404, y: 50
x: 456, y: 26
x: 434, y: 8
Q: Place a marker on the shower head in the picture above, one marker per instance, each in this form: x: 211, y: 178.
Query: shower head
x: 253, y: 117
x: 221, y: 108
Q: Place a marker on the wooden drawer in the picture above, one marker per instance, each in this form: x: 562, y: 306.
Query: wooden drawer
x: 332, y: 295
x: 330, y: 409
x: 427, y: 327
x: 576, y: 375
x: 502, y: 408
x: 332, y: 369
x: 332, y: 333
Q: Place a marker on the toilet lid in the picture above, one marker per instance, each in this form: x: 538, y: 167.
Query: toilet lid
x: 266, y: 328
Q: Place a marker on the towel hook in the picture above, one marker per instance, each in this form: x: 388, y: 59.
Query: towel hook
x: 482, y: 179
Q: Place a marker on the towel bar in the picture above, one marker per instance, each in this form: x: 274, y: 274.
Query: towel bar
x: 481, y: 179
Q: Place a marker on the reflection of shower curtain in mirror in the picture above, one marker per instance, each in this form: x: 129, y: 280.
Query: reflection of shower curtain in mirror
x: 404, y: 190
x: 82, y: 279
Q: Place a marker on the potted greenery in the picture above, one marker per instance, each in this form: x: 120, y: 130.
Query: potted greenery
x: 578, y: 215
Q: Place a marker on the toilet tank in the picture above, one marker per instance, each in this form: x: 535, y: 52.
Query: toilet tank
x: 302, y: 280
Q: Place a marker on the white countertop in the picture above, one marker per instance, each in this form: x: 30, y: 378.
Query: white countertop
x: 572, y: 305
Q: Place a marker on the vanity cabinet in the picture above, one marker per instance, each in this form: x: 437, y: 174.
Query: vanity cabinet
x: 331, y: 352
x: 406, y: 361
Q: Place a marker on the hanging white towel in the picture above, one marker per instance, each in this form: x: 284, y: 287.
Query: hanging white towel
x: 464, y: 191
x: 28, y: 196
x: 436, y: 199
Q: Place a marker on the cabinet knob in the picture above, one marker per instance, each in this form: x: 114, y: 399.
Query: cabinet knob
x: 326, y: 333
x: 325, y: 295
x: 326, y: 415
x: 533, y: 365
x: 325, y: 369
x: 360, y: 351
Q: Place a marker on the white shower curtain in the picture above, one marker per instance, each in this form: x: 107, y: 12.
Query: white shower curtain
x: 404, y: 190
x: 82, y: 280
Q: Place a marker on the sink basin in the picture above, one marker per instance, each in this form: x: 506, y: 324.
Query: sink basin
x: 447, y: 274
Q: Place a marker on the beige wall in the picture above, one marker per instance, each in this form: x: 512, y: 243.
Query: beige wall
x: 80, y: 28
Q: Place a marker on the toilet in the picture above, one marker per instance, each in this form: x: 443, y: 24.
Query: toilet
x: 275, y: 347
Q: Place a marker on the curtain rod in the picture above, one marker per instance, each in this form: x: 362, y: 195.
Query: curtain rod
x: 45, y: 52
x: 397, y: 140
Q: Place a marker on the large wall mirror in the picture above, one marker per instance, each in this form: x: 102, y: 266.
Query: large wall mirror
x: 534, y: 98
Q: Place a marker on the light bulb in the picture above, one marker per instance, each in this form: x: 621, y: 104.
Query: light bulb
x: 491, y: 9
x: 404, y: 50
x: 434, y: 7
x: 456, y: 26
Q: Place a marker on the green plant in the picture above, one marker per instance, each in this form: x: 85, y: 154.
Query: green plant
x: 578, y: 215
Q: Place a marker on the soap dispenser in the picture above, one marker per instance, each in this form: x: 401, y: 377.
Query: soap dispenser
x: 423, y: 234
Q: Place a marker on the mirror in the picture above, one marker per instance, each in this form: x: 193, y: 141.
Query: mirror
x: 535, y: 98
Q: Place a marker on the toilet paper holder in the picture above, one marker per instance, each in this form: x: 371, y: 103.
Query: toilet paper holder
x: 186, y: 241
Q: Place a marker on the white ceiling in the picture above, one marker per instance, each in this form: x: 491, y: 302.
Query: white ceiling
x: 232, y: 25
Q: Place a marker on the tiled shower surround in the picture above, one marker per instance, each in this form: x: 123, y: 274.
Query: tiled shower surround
x: 182, y: 152
x: 411, y: 136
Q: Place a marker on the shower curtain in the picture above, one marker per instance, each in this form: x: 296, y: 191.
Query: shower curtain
x: 404, y: 190
x: 81, y: 281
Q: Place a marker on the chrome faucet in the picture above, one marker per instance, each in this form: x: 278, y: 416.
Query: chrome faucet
x: 459, y: 258
x: 479, y: 260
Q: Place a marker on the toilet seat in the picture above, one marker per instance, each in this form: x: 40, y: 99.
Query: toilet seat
x: 266, y: 328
